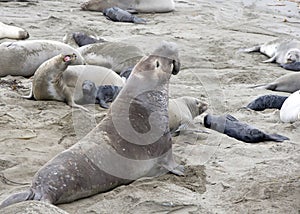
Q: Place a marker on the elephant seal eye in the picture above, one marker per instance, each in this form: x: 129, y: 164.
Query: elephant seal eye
x: 157, y: 64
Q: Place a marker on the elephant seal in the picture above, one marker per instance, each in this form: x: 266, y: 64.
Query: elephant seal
x: 230, y: 126
x: 292, y: 66
x: 183, y: 110
x: 30, y: 207
x: 132, y: 141
x: 267, y: 101
x: 78, y: 39
x: 286, y: 83
x: 12, y: 32
x: 141, y: 6
x: 99, y: 95
x: 118, y: 15
x: 56, y: 80
x: 281, y: 51
x: 290, y: 110
x: 114, y: 55
x: 22, y: 58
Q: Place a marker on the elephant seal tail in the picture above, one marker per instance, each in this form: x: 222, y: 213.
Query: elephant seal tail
x: 251, y: 49
x: 277, y: 137
x: 18, y: 197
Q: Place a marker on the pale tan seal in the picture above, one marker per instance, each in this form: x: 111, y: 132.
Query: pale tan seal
x: 114, y: 55
x: 141, y: 6
x: 286, y: 83
x: 281, y: 51
x: 12, y: 32
x: 183, y: 110
x: 132, y: 141
x: 22, y: 58
x: 290, y: 109
x: 56, y: 80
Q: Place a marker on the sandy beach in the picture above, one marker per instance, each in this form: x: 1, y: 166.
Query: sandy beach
x: 222, y: 175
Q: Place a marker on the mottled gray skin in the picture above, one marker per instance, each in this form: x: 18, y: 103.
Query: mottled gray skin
x: 140, y: 6
x: 12, y: 32
x: 56, y: 80
x: 99, y: 95
x: 118, y: 15
x: 114, y: 55
x: 106, y: 158
x: 266, y: 102
x: 22, y: 58
x: 281, y: 51
x: 230, y: 126
x: 286, y: 83
x: 183, y: 110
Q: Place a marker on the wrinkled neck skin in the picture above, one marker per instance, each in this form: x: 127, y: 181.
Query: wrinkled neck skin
x: 193, y: 109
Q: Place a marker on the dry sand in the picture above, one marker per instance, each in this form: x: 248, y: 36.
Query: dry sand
x: 223, y: 175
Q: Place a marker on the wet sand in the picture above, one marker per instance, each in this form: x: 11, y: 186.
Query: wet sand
x: 223, y: 175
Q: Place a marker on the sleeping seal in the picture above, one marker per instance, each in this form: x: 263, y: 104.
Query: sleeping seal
x: 114, y: 55
x: 141, y: 6
x: 230, y: 126
x: 266, y: 102
x: 281, y: 51
x: 286, y: 83
x: 78, y: 39
x: 12, y: 32
x: 56, y: 80
x: 292, y: 66
x: 290, y: 110
x: 132, y: 141
x: 118, y: 15
x: 22, y: 58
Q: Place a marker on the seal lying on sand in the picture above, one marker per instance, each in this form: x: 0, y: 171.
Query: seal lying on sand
x: 141, y: 6
x: 183, y: 110
x: 12, y: 32
x: 281, y: 51
x: 54, y: 80
x: 230, y: 126
x: 286, y: 83
x: 114, y: 55
x: 78, y: 39
x: 132, y: 141
x: 118, y: 15
x: 293, y: 66
x: 290, y: 110
x: 22, y: 58
x: 99, y: 95
x: 267, y: 101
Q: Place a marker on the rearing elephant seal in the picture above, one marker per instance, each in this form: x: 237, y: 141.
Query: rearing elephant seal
x: 114, y: 55
x: 140, y: 6
x: 22, y: 58
x: 281, y: 51
x: 56, y: 80
x: 132, y: 141
x: 12, y: 32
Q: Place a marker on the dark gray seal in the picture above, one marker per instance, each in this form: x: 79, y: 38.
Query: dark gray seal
x: 266, y: 102
x: 118, y: 15
x: 132, y: 141
x: 292, y: 66
x: 82, y: 39
x: 99, y: 95
x: 230, y: 126
x: 286, y: 83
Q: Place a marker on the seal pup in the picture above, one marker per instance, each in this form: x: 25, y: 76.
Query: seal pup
x: 12, y: 32
x: 266, y: 102
x: 286, y: 83
x: 56, y: 80
x: 78, y: 39
x: 118, y: 15
x: 141, y: 6
x: 230, y: 126
x: 132, y: 141
x: 183, y: 110
x: 281, y: 51
x: 99, y: 95
x: 114, y: 55
x: 292, y: 66
x: 22, y: 58
x: 290, y: 110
